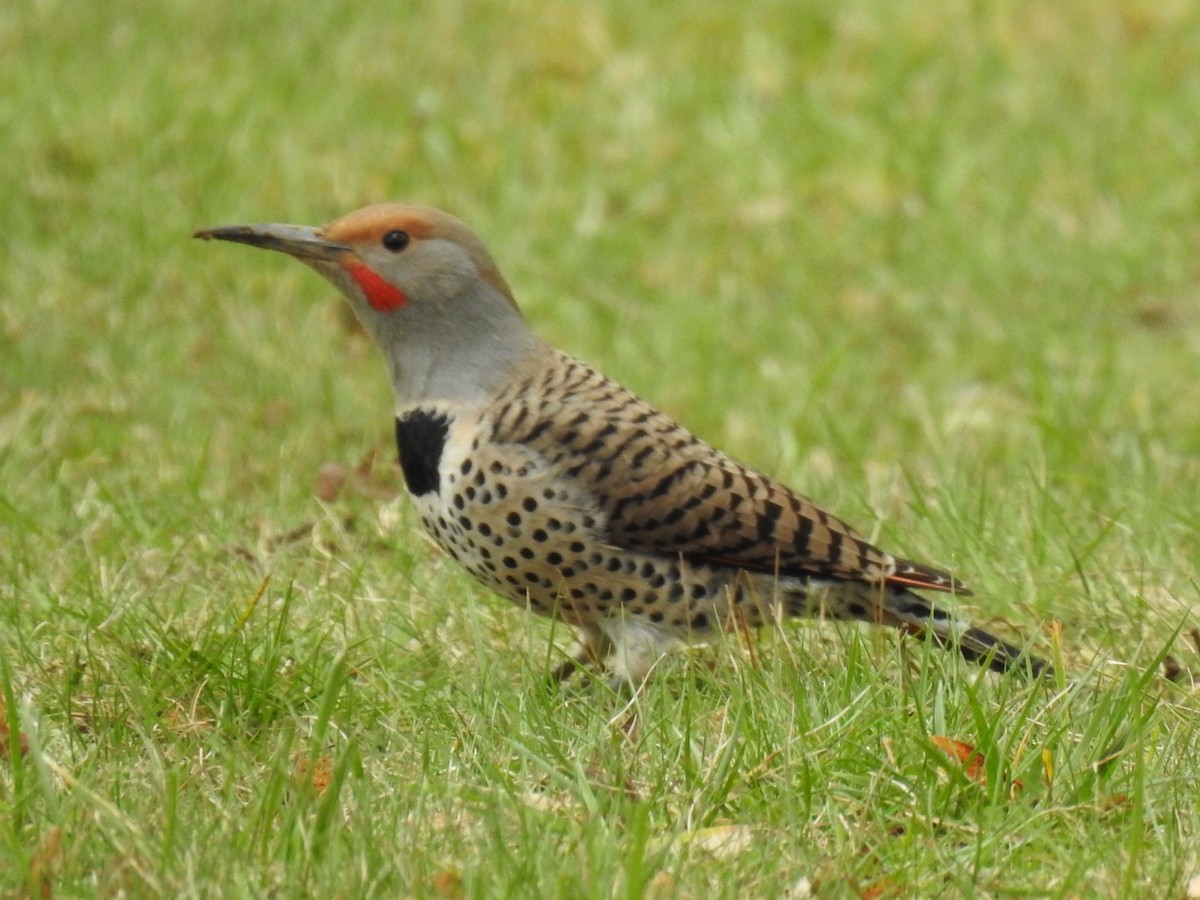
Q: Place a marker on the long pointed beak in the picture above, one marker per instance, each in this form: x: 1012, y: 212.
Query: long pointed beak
x: 301, y: 241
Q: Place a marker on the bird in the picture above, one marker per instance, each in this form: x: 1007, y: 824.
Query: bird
x: 567, y: 494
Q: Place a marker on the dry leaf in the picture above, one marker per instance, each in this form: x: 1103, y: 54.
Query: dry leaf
x: 970, y: 758
x: 315, y: 774
x: 364, y: 480
x: 5, y: 735
x: 1116, y: 802
x: 447, y: 883
x: 884, y: 887
x: 331, y: 478
x: 6, y: 743
x: 973, y: 763
x: 45, y: 862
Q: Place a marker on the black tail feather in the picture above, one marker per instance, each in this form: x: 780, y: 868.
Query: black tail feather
x: 914, y: 613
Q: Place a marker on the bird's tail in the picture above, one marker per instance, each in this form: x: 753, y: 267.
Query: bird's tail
x: 903, y: 609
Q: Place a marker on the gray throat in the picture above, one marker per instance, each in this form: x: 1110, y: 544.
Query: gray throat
x: 460, y: 351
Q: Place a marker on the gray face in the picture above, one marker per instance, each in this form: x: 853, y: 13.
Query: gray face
x: 434, y: 270
x: 424, y: 287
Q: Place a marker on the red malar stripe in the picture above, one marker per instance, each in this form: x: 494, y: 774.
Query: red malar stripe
x: 381, y: 295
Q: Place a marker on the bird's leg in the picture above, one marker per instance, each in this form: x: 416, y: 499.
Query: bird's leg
x: 636, y: 648
x: 591, y: 650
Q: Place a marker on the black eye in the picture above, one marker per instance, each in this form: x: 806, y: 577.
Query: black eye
x: 396, y: 240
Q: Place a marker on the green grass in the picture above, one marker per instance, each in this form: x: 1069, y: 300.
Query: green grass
x: 935, y: 264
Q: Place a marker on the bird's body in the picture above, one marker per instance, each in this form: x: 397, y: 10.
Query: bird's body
x: 565, y: 493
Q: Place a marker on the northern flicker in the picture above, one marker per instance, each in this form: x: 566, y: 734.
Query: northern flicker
x: 565, y: 493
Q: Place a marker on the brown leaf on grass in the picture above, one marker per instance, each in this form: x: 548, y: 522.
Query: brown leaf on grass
x: 364, y: 480
x: 972, y: 762
x: 447, y: 883
x: 313, y: 774
x: 45, y: 862
x: 1157, y: 316
x: 876, y: 890
x: 6, y: 742
x: 331, y: 478
x: 6, y: 747
x: 963, y: 753
x: 1116, y: 803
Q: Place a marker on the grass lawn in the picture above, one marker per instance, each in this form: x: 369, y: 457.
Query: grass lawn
x: 935, y: 264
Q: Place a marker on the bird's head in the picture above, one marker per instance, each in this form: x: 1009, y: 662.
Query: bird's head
x: 421, y: 281
x: 384, y: 257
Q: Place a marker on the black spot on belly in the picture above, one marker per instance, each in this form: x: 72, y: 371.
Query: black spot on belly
x: 420, y: 439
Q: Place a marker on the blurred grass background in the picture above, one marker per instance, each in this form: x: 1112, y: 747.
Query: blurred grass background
x: 936, y: 265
